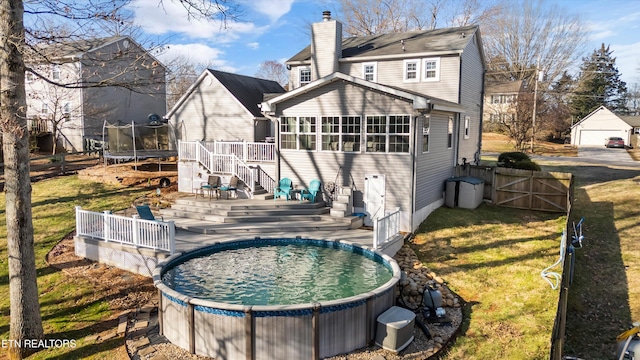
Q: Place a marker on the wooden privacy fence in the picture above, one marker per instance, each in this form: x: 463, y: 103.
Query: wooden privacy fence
x: 522, y: 189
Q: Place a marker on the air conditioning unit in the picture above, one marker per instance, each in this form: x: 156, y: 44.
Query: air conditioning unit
x: 395, y: 329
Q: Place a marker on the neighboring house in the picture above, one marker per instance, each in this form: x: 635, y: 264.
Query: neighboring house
x: 388, y: 115
x: 500, y: 103
x: 112, y: 79
x: 223, y: 106
x: 600, y: 124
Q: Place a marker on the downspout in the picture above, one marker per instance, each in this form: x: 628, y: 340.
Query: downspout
x: 479, y: 152
x: 82, y: 116
x: 414, y: 175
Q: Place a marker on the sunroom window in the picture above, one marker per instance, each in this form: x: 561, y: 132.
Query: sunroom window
x: 399, y: 133
x: 351, y: 133
x: 288, y: 133
x: 330, y: 138
x: 307, y: 136
x: 376, y: 133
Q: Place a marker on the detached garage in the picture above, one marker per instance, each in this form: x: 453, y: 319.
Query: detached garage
x: 599, y: 125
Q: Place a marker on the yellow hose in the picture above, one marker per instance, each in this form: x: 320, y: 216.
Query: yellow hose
x: 628, y: 333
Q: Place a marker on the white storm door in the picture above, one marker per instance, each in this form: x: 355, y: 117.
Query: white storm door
x: 373, y: 198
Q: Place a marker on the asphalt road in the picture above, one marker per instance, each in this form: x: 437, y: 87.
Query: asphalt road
x: 598, y: 155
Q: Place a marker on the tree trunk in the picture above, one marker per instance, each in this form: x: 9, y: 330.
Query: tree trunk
x: 25, y: 322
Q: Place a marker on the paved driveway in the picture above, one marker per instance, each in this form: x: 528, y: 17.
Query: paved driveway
x: 603, y: 155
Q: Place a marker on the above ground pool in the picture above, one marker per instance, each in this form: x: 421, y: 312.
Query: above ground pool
x: 274, y: 298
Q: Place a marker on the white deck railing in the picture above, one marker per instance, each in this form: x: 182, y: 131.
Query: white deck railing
x: 386, y: 228
x: 211, y: 155
x: 133, y: 231
x: 244, y: 150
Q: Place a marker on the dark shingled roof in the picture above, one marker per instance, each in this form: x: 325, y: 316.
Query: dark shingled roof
x: 425, y: 41
x: 248, y: 90
x: 503, y: 87
x: 631, y: 120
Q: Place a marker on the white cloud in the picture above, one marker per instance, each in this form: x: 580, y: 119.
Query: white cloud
x: 167, y: 17
x: 600, y: 30
x: 253, y: 45
x: 627, y: 60
x: 274, y: 9
x: 197, y: 54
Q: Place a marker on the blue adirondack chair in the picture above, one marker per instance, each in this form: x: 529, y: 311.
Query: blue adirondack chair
x: 284, y: 188
x: 310, y: 192
x: 145, y: 212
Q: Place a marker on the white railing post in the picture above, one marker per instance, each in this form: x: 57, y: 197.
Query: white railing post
x: 172, y: 237
x: 135, y: 229
x: 106, y: 225
x: 79, y: 228
x: 245, y: 150
x: 375, y: 234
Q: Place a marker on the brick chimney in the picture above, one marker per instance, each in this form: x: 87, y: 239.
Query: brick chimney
x: 326, y: 46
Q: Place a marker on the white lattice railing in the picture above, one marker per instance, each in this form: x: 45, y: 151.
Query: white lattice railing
x: 386, y: 228
x: 133, y: 231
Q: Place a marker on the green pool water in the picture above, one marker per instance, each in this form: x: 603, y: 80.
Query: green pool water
x: 277, y: 275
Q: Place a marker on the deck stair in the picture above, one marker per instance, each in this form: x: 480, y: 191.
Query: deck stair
x: 254, y: 216
x: 343, y: 204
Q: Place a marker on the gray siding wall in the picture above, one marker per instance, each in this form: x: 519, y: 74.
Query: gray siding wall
x: 434, y: 166
x: 212, y: 113
x: 303, y: 166
x: 390, y: 72
x: 471, y: 88
x: 134, y: 68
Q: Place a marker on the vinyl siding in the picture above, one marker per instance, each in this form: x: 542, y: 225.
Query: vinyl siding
x: 303, y: 166
x: 212, y: 113
x: 435, y: 166
x: 391, y: 73
x: 471, y: 86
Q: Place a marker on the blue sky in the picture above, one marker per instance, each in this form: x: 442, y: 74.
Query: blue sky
x: 278, y: 29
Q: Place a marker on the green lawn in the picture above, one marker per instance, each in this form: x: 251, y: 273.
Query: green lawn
x: 492, y: 257
x: 70, y: 309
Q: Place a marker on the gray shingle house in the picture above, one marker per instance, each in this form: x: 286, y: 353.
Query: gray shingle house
x: 388, y: 116
x: 112, y: 79
x: 223, y: 106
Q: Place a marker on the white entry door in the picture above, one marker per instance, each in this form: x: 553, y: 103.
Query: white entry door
x: 373, y: 198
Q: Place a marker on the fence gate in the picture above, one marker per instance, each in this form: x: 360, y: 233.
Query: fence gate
x: 535, y: 190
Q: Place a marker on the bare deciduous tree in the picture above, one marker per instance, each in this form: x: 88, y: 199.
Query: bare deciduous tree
x: 368, y: 17
x: 273, y: 70
x: 16, y: 42
x: 520, y: 36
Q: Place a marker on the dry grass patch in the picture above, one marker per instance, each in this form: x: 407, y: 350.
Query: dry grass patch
x: 492, y: 257
x: 499, y: 143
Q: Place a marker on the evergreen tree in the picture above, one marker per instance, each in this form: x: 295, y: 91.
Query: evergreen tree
x: 599, y: 84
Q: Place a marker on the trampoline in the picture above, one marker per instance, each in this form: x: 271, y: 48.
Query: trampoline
x: 133, y: 141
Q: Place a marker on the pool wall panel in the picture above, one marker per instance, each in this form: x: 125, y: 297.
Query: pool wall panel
x: 219, y: 336
x: 175, y: 325
x: 283, y: 337
x: 342, y: 331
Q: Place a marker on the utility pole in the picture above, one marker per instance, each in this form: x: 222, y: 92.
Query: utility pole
x: 535, y: 100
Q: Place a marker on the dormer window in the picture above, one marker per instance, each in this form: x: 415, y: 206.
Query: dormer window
x: 305, y: 76
x: 369, y: 71
x: 431, y: 70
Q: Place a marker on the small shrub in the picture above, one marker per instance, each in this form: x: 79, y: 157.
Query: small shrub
x: 513, y: 157
x: 517, y: 160
x: 526, y: 165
